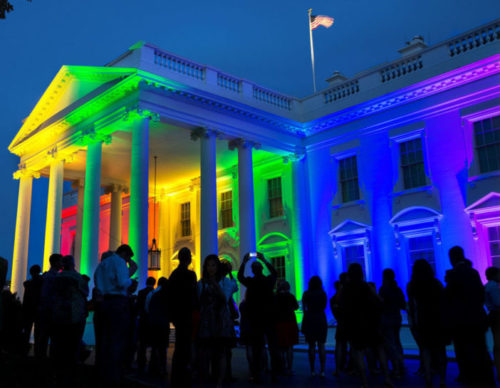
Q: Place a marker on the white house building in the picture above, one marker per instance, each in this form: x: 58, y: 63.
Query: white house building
x: 398, y: 163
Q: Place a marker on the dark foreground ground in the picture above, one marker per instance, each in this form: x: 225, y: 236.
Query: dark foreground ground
x: 16, y: 372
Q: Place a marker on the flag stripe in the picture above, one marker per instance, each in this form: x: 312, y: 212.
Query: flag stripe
x: 321, y: 20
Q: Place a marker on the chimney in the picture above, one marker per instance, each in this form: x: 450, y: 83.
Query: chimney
x: 414, y: 46
x: 336, y: 79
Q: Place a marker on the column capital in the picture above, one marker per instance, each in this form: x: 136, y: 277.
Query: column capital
x: 116, y: 187
x: 242, y: 143
x: 78, y: 183
x: 25, y: 172
x: 199, y: 132
x: 56, y: 155
x: 90, y: 136
x: 297, y: 156
x: 137, y: 111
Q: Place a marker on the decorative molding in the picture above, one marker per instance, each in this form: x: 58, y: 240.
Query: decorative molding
x: 199, y: 132
x: 241, y: 143
x: 90, y: 136
x: 429, y: 87
x: 25, y: 172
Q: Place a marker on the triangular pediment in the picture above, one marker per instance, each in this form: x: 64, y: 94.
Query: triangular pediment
x: 349, y: 227
x: 70, y: 85
x: 488, y: 201
x: 415, y: 213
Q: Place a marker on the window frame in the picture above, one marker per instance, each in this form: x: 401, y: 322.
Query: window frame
x: 228, y: 210
x: 476, y: 147
x: 468, y: 120
x: 185, y: 222
x: 396, y: 141
x: 274, y: 198
x: 423, y: 233
x: 350, y: 179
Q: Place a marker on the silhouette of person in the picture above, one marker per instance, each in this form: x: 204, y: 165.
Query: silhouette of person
x: 261, y: 314
x: 216, y: 326
x: 183, y: 286
x: 230, y: 284
x: 286, y: 324
x: 4, y: 266
x: 393, y: 301
x: 143, y: 335
x: 68, y: 314
x: 31, y: 301
x: 426, y: 311
x: 46, y: 305
x: 112, y: 280
x: 340, y: 332
x: 362, y: 309
x: 492, y: 302
x: 314, y: 324
x: 97, y: 304
x: 464, y: 293
x: 158, y: 318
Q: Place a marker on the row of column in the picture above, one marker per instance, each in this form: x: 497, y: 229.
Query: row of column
x: 208, y: 170
x: 88, y: 208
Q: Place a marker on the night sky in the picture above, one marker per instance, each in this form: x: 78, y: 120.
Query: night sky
x: 264, y: 41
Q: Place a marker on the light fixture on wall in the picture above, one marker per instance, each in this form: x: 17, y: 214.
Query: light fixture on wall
x: 154, y: 254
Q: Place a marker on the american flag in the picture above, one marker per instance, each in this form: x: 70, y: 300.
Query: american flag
x: 321, y: 20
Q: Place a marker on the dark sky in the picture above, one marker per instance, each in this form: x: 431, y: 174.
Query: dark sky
x: 263, y: 41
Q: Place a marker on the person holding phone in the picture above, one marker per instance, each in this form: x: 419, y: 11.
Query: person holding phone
x: 260, y: 309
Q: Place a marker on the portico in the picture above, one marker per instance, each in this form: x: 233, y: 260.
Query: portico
x: 106, y: 151
x: 314, y: 183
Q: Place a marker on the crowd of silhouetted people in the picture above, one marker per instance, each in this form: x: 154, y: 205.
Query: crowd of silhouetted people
x: 133, y: 328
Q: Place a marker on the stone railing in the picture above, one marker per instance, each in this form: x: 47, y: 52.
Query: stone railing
x: 344, y: 90
x: 271, y: 98
x: 422, y: 61
x: 401, y: 68
x: 474, y: 39
x: 179, y: 65
x: 228, y: 82
x: 205, y: 77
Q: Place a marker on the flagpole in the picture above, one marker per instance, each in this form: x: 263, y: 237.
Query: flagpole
x: 312, y: 50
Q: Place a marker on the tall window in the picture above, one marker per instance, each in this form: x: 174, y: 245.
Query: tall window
x: 494, y: 242
x: 275, y: 199
x: 422, y: 248
x: 279, y: 264
x: 487, y: 134
x: 412, y: 163
x: 349, y: 179
x: 226, y: 209
x: 355, y: 254
x: 186, y: 219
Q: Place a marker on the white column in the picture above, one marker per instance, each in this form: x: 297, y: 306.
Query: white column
x: 139, y: 193
x: 246, y: 196
x: 54, y: 209
x: 208, y: 186
x: 21, y: 240
x: 115, y: 222
x: 91, y: 209
x: 79, y: 222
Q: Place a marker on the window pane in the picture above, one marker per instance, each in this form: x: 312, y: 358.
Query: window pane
x: 494, y: 243
x: 279, y: 264
x: 348, y: 171
x: 186, y: 219
x: 422, y: 248
x: 355, y: 254
x: 412, y: 163
x: 226, y: 209
x: 274, y: 196
x: 487, y: 136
